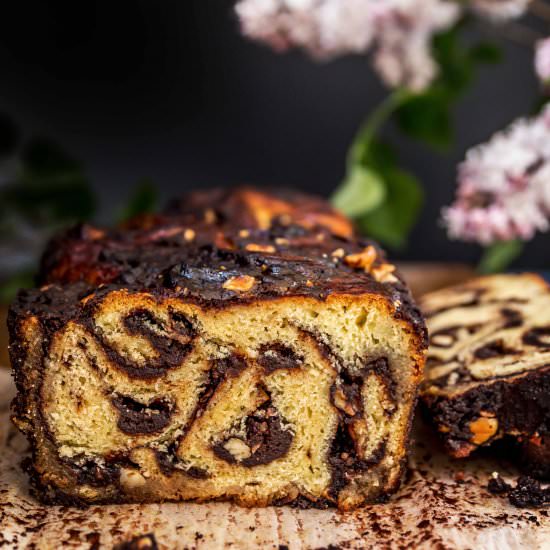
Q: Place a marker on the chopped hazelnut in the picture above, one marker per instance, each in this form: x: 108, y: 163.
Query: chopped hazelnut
x: 285, y: 219
x: 282, y: 241
x: 483, y: 429
x: 384, y: 273
x: 241, y: 283
x: 342, y: 403
x: 338, y: 253
x: 309, y: 283
x: 94, y: 234
x: 86, y: 299
x: 188, y: 235
x: 210, y: 216
x: 362, y: 260
x: 237, y: 448
x: 244, y: 233
x: 131, y: 479
x: 253, y: 247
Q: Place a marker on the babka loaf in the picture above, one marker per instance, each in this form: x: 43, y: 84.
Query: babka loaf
x: 239, y: 346
x: 488, y: 367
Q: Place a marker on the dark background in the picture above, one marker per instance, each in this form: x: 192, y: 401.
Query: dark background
x: 168, y: 89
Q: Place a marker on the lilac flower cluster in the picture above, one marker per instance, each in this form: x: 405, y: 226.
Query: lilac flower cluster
x: 504, y: 185
x: 542, y: 61
x: 398, y: 31
x: 500, y: 10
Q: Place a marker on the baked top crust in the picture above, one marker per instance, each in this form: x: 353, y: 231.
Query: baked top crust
x: 218, y: 248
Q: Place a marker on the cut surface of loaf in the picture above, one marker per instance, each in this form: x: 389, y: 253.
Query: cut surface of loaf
x: 488, y: 367
x: 239, y: 346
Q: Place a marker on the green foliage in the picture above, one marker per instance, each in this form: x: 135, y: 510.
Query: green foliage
x: 499, y: 256
x: 384, y: 199
x: 143, y: 200
x: 427, y: 116
x: 10, y: 286
x: 392, y: 221
x: 362, y: 191
x: 45, y: 189
x: 49, y: 188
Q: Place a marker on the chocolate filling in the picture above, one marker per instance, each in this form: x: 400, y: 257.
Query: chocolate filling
x: 265, y: 437
x: 137, y: 418
x: 220, y: 370
x: 345, y: 465
x: 171, y: 352
x: 278, y: 356
x: 493, y: 349
x: 534, y: 337
x: 97, y: 474
x: 513, y: 317
x: 520, y: 405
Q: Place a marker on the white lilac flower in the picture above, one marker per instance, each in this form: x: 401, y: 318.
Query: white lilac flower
x: 500, y: 10
x: 398, y: 31
x: 504, y: 185
x: 542, y: 60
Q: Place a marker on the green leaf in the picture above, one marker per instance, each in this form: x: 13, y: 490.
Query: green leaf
x: 359, y: 193
x: 42, y: 157
x: 52, y: 199
x: 499, y: 256
x: 10, y: 287
x: 392, y: 221
x: 485, y: 52
x: 426, y: 117
x: 143, y: 200
x: 51, y: 186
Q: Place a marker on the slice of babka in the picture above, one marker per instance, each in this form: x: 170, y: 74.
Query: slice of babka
x: 239, y: 346
x: 488, y: 367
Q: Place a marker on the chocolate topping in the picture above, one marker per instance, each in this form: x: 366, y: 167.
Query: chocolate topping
x: 153, y: 255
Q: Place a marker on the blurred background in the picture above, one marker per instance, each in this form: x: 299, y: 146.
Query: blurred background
x: 172, y: 92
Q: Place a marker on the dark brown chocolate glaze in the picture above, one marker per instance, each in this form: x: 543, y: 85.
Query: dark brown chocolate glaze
x: 153, y: 256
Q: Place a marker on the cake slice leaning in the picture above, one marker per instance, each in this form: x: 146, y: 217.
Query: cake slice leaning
x: 199, y: 356
x: 488, y: 367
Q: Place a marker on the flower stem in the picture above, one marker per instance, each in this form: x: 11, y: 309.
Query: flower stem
x: 373, y: 123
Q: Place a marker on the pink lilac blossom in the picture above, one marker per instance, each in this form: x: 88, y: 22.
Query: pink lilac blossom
x: 500, y: 10
x: 504, y: 185
x: 542, y: 60
x: 398, y: 31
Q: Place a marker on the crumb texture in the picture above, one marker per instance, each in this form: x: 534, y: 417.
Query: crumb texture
x: 488, y: 367
x: 230, y: 348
